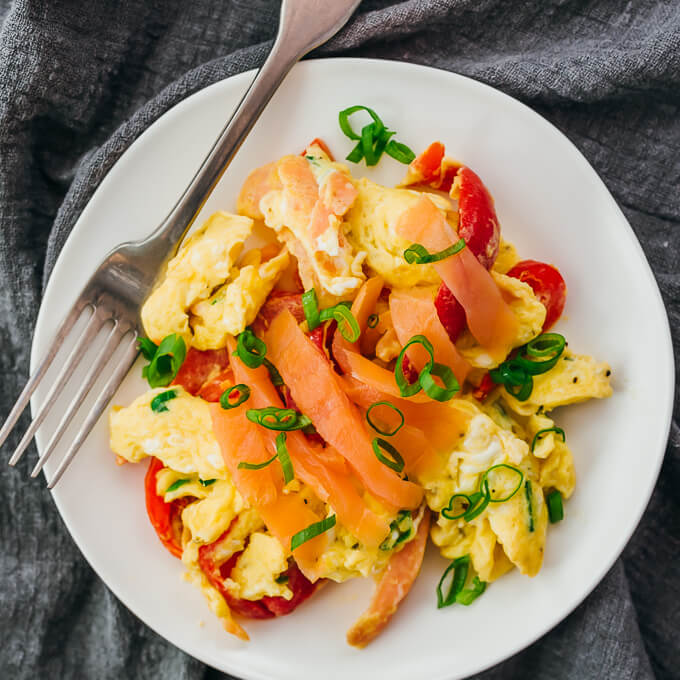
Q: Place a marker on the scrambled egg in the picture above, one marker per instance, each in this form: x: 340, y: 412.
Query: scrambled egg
x: 234, y: 305
x: 510, y: 532
x: 181, y: 437
x: 371, y: 228
x: 525, y: 305
x: 574, y: 378
x: 256, y: 570
x: 205, y: 295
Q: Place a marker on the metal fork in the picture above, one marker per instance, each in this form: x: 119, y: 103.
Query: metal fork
x: 115, y: 292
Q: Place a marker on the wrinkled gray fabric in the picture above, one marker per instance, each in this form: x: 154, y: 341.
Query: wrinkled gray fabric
x: 80, y: 81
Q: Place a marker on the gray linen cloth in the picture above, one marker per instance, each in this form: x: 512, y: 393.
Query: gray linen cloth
x: 80, y: 81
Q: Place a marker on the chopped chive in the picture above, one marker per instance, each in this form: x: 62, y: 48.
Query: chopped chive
x: 530, y: 504
x: 486, y: 483
x: 243, y: 392
x: 312, y: 531
x: 243, y: 465
x: 460, y: 567
x: 250, y: 349
x: 469, y: 595
x: 166, y: 360
x: 558, y: 430
x: 158, y: 403
x: 555, y: 506
x: 458, y: 506
x: 407, y: 389
x: 418, y: 254
x: 396, y: 463
x: 373, y: 321
x: 400, y: 152
x: 401, y: 529
x: 347, y: 324
x: 434, y: 391
x: 281, y: 419
x: 206, y: 482
x: 375, y: 427
x: 284, y: 458
x: 310, y: 306
x: 176, y: 485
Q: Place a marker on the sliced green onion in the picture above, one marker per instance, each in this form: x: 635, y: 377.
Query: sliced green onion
x: 343, y: 120
x: 558, y: 430
x: 418, y: 254
x: 282, y: 578
x: 274, y: 375
x: 166, y: 361
x: 385, y: 433
x: 555, y: 506
x: 356, y: 154
x: 486, y: 483
x: 546, y: 345
x: 250, y: 349
x: 284, y: 458
x: 147, y: 348
x: 373, y: 321
x: 458, y: 506
x: 282, y: 419
x: 158, y: 404
x: 469, y: 595
x: 400, y: 152
x: 243, y: 395
x: 407, y: 389
x: 310, y: 306
x: 530, y: 504
x: 479, y: 501
x: 243, y: 465
x: 347, y: 323
x: 460, y: 567
x: 312, y: 531
x: 401, y: 529
x: 431, y: 388
x: 516, y: 373
x: 373, y: 144
x: 175, y: 485
x: 396, y: 463
x: 206, y: 482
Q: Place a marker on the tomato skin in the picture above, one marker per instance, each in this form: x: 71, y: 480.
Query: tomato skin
x: 478, y: 223
x: 163, y: 516
x: 274, y: 305
x: 264, y: 608
x: 482, y: 391
x: 547, y: 284
x: 203, y: 373
x: 320, y: 143
x: 450, y: 312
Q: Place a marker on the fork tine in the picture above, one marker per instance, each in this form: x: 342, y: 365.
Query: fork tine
x: 94, y: 323
x: 112, y: 341
x: 104, y: 398
x: 34, y: 380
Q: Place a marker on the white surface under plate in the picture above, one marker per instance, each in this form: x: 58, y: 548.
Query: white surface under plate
x: 554, y: 207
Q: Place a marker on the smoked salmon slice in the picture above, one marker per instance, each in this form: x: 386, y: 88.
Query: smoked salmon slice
x: 489, y: 317
x: 312, y: 382
x: 393, y: 587
x: 323, y: 470
x: 413, y: 313
x: 240, y: 440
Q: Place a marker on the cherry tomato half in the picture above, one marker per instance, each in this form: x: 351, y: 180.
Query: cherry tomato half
x: 547, y: 284
x: 218, y: 572
x: 165, y: 517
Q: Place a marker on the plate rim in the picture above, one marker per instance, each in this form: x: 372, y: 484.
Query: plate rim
x: 570, y: 148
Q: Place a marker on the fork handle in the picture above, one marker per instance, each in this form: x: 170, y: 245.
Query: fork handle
x: 303, y: 25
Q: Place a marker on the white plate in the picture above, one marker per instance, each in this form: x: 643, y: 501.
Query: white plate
x: 554, y: 207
